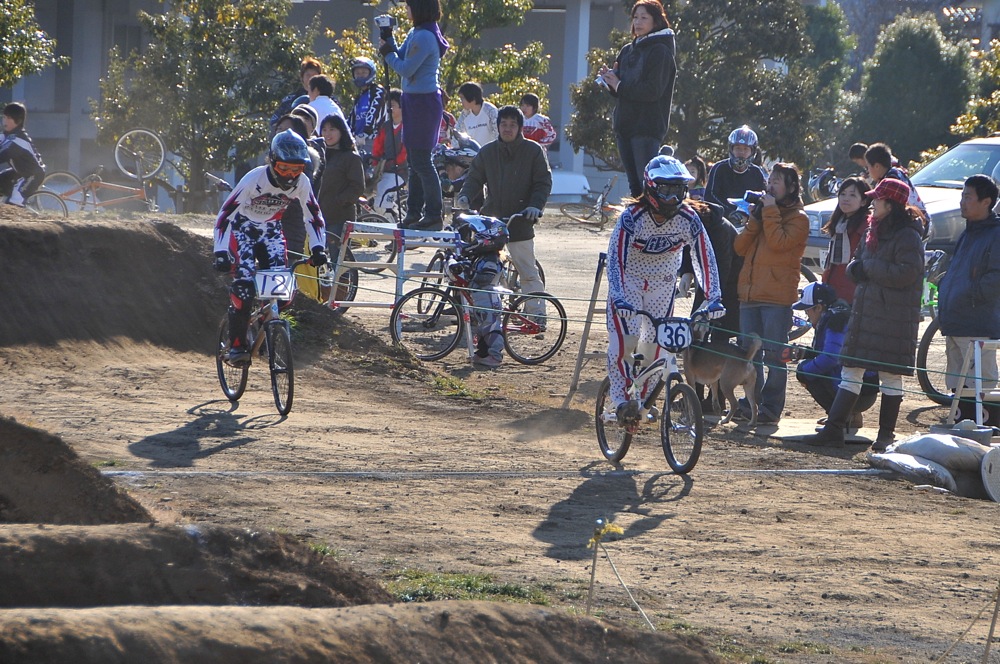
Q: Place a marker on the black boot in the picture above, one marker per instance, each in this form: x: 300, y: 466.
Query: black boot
x: 832, y: 433
x: 888, y: 413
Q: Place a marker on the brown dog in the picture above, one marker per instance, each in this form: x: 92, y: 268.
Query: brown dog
x: 724, y: 366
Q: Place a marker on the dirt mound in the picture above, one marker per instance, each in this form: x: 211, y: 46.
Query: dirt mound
x: 437, y: 632
x: 77, y: 566
x: 42, y: 480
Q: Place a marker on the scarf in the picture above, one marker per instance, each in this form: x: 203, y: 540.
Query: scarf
x: 840, y: 243
x: 871, y: 241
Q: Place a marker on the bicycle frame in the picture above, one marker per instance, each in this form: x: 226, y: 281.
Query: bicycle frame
x: 666, y: 371
x: 93, y: 183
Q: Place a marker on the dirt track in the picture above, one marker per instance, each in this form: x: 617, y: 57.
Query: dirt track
x: 105, y: 344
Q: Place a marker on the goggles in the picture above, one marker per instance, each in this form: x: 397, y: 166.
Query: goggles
x: 289, y: 170
x: 679, y: 191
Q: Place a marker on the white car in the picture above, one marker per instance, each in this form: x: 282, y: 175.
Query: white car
x: 939, y: 184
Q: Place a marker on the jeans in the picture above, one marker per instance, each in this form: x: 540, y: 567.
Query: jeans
x: 771, y: 323
x: 425, y: 188
x: 636, y: 151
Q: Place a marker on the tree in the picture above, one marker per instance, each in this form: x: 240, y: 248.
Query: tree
x: 514, y: 70
x: 982, y: 116
x: 210, y: 76
x: 26, y: 49
x: 914, y: 86
x: 722, y: 81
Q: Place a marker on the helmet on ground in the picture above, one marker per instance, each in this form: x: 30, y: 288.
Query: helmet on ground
x: 665, y: 184
x: 288, y: 158
x: 480, y: 234
x: 359, y: 80
x: 742, y: 136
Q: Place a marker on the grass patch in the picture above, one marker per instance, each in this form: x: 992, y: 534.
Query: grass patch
x: 107, y: 463
x: 324, y: 549
x: 411, y: 585
x: 804, y: 646
x: 450, y: 386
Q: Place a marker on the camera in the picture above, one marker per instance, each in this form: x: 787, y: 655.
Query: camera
x: 601, y: 82
x: 385, y: 24
x: 753, y: 197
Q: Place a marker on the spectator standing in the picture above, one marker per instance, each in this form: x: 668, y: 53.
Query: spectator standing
x: 309, y: 67
x: 537, y: 127
x: 846, y: 228
x: 388, y: 147
x: 478, y: 118
x: 699, y: 170
x: 21, y: 167
x: 969, y: 293
x: 292, y: 217
x: 368, y: 112
x: 642, y: 81
x: 321, y: 96
x: 819, y: 370
x: 772, y: 244
x: 882, y: 164
x: 343, y: 178
x: 856, y: 153
x: 733, y: 177
x: 517, y: 179
x: 417, y: 61
x: 882, y: 332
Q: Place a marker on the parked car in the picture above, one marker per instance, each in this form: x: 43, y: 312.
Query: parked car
x: 939, y: 184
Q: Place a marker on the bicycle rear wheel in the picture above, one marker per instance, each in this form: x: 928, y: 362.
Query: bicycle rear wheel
x: 279, y: 357
x: 46, y: 204
x: 682, y: 428
x: 614, y: 440
x: 233, y: 379
x: 532, y: 338
x: 347, y: 286
x: 427, y: 322
x: 371, y: 250
x: 932, y: 365
x: 139, y: 154
x: 68, y: 187
x: 585, y: 213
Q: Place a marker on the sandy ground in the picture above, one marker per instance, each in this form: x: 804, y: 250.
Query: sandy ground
x: 761, y: 551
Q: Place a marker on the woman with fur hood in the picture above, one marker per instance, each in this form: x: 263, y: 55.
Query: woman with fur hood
x: 642, y: 80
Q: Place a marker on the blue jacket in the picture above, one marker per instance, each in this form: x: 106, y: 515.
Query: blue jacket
x: 417, y: 61
x: 828, y: 340
x: 969, y: 293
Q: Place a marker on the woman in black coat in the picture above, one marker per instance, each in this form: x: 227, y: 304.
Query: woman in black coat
x: 343, y: 178
x: 888, y: 269
x: 642, y: 80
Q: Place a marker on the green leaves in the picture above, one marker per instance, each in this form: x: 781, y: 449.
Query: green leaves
x: 24, y: 48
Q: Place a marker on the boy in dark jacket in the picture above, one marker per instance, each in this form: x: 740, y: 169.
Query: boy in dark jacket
x: 21, y: 167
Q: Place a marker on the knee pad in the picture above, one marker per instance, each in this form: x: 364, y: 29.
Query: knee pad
x: 241, y: 295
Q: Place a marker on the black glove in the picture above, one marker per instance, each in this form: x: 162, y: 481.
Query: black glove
x: 856, y: 271
x: 387, y: 47
x: 319, y: 257
x: 223, y: 262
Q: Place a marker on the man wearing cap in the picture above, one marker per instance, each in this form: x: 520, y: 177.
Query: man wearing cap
x: 888, y: 269
x: 820, y: 372
x: 969, y: 293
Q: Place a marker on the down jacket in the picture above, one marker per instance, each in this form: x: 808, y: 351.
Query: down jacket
x: 969, y: 295
x: 882, y: 333
x: 772, y: 246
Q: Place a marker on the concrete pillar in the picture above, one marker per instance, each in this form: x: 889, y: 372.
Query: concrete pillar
x: 577, y: 42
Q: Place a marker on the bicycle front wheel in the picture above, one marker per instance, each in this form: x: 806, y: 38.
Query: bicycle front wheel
x: 514, y: 277
x: 233, y: 379
x: 372, y: 250
x: 46, y: 204
x: 585, y: 213
x: 932, y: 365
x: 427, y: 322
x: 682, y: 428
x: 614, y: 440
x: 534, y: 328
x: 279, y: 356
x: 68, y: 187
x: 139, y: 154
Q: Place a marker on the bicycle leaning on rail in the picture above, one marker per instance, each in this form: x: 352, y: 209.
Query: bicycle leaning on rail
x: 431, y: 321
x: 268, y: 336
x: 682, y: 426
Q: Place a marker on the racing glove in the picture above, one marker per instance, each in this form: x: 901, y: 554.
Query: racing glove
x: 532, y: 213
x: 711, y: 310
x: 318, y: 257
x: 223, y: 262
x: 623, y: 309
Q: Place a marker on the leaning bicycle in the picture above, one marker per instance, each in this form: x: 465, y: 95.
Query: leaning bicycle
x: 268, y: 336
x: 597, y: 213
x: 932, y: 356
x: 682, y: 427
x: 431, y: 322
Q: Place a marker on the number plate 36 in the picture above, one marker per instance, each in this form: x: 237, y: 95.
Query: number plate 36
x: 278, y: 284
x: 673, y: 334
